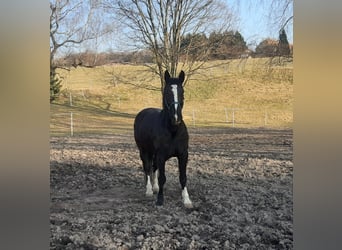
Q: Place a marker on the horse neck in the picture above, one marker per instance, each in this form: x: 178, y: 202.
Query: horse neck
x: 164, y: 113
x: 165, y: 107
x: 165, y: 116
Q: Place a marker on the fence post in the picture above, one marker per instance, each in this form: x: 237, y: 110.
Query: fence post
x: 71, y: 124
x: 233, y: 118
x: 84, y: 97
x: 265, y: 119
x: 70, y: 99
x: 193, y: 118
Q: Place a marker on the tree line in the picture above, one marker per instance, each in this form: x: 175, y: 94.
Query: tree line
x: 223, y: 46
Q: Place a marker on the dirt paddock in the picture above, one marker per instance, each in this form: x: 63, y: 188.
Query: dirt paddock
x: 240, y: 181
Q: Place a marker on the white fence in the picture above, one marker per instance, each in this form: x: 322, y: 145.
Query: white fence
x: 230, y: 116
x: 74, y: 122
x: 238, y: 117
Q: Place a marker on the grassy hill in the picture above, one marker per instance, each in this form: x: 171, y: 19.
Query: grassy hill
x: 239, y: 93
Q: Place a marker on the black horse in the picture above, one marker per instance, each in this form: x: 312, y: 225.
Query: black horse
x: 161, y: 134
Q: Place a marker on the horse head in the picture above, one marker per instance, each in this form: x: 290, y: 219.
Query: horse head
x: 173, y: 97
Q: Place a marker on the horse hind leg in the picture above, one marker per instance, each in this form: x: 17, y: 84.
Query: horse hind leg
x: 147, y: 166
x: 155, y: 178
x: 149, y: 191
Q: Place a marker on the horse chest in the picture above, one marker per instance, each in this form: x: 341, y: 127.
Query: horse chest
x: 170, y: 144
x: 165, y: 143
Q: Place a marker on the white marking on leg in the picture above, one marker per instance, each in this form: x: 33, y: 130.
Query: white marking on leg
x: 155, y: 182
x: 175, y: 99
x: 149, y: 191
x: 186, y: 200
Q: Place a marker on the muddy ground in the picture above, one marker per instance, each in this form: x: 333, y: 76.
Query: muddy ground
x: 240, y: 181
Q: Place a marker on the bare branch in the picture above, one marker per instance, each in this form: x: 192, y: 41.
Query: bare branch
x: 74, y: 22
x: 161, y: 25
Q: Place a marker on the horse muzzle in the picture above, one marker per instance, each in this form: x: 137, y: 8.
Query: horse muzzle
x: 178, y: 122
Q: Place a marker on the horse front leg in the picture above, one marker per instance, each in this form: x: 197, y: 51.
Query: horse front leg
x: 182, y: 163
x: 161, y: 180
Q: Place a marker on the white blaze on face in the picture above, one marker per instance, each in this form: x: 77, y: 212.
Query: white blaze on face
x: 175, y: 99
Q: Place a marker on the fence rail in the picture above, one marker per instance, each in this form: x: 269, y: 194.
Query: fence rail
x: 71, y: 123
x: 239, y: 117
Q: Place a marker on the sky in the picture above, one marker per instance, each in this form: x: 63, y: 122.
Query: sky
x: 254, y: 23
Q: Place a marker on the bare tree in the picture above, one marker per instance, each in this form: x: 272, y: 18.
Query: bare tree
x: 72, y: 23
x: 69, y: 25
x: 281, y: 13
x: 281, y: 19
x: 160, y: 26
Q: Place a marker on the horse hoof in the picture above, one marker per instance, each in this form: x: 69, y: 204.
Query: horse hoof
x: 148, y: 194
x: 188, y: 205
x: 155, y: 189
x: 149, y: 191
x: 160, y: 201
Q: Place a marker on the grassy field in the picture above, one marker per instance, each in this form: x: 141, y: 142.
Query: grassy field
x: 239, y: 93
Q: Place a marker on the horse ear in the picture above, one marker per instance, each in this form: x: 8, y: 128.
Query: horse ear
x: 166, y: 76
x: 181, y: 76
